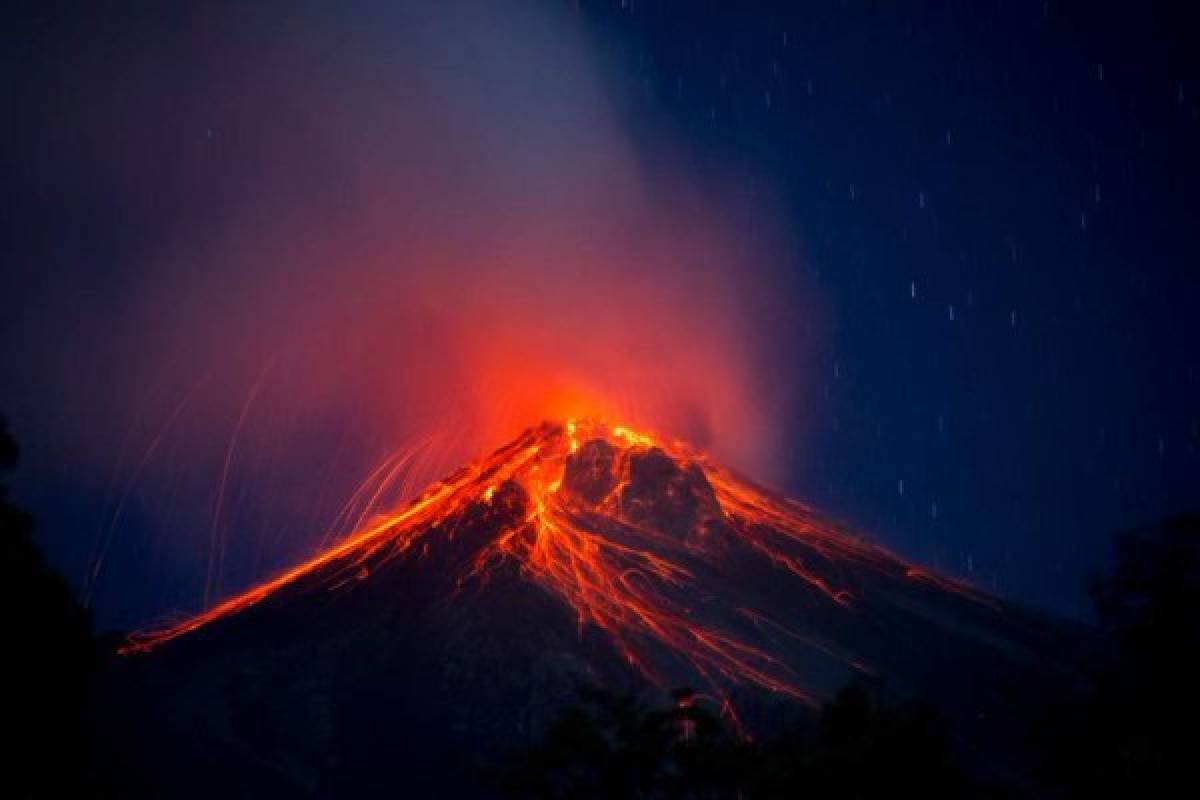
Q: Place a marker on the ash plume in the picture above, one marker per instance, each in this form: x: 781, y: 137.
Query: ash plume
x: 423, y: 225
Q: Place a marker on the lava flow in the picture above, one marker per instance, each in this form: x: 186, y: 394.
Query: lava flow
x: 633, y: 533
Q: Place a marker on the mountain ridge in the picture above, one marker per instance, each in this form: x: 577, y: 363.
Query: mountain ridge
x: 578, y: 554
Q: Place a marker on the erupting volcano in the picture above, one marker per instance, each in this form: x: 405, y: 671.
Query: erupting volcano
x: 579, y: 553
x: 641, y: 537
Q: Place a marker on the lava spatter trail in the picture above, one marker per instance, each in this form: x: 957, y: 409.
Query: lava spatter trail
x: 628, y: 530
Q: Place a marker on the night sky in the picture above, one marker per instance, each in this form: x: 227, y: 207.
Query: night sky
x: 984, y: 215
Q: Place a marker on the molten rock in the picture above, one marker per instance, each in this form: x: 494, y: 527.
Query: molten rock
x: 578, y: 553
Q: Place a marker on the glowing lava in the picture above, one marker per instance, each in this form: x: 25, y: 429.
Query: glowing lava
x: 628, y: 530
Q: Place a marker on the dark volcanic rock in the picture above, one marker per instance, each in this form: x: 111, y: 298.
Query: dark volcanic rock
x: 591, y: 471
x: 665, y: 495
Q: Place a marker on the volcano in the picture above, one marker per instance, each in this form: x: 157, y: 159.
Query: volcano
x: 581, y: 553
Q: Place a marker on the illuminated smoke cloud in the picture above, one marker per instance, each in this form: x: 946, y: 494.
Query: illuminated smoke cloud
x: 431, y: 228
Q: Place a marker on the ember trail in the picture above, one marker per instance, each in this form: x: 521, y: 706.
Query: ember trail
x: 633, y: 532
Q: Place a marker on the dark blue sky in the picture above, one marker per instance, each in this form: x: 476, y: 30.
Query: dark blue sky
x: 996, y: 204
x: 1000, y: 201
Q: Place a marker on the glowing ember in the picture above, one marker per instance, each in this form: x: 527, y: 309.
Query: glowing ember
x: 617, y: 524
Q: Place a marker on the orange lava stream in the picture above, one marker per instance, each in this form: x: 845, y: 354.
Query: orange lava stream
x: 632, y: 581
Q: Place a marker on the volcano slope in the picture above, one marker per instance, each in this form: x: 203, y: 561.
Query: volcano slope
x: 579, y: 554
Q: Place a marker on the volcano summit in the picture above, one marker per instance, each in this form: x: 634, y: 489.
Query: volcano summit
x: 580, y: 553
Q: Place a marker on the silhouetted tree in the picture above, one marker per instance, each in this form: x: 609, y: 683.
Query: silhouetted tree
x: 1132, y: 731
x: 609, y: 746
x: 858, y: 747
x: 866, y: 748
x: 48, y: 654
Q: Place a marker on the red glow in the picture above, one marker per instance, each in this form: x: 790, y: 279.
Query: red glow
x: 410, y: 242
